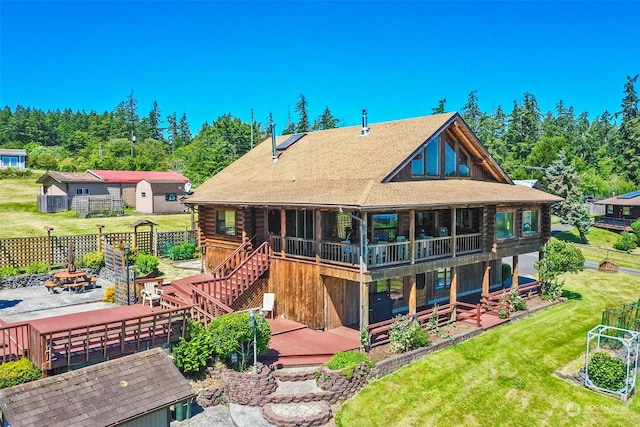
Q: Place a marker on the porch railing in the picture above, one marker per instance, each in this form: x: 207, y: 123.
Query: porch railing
x: 378, y: 254
x: 14, y: 341
x: 614, y: 222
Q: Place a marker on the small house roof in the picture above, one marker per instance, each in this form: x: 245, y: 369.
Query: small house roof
x: 133, y: 177
x: 342, y: 167
x: 104, y: 394
x: 68, y: 177
x: 628, y: 199
x: 12, y: 152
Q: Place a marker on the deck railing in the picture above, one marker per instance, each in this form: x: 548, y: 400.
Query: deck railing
x: 14, y: 341
x: 236, y: 258
x: 96, y: 341
x: 621, y: 223
x: 378, y: 254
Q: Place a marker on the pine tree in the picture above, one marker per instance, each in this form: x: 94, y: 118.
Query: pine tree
x: 155, y: 122
x: 325, y: 121
x: 440, y: 108
x: 172, y: 130
x: 303, y: 117
x: 562, y: 181
x: 184, y: 133
x: 471, y: 112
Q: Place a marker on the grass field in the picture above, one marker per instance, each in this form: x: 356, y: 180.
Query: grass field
x: 601, y: 246
x: 20, y: 216
x: 505, y: 377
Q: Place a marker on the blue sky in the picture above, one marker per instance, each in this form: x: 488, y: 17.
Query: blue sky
x: 397, y: 59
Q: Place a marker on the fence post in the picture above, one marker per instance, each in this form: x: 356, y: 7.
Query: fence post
x: 49, y: 246
x: 100, y: 242
x: 154, y: 241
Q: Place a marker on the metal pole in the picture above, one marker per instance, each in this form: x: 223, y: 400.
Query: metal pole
x: 252, y: 322
x: 127, y: 249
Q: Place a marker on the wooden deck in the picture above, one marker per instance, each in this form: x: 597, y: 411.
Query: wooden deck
x: 78, y: 338
x: 293, y: 344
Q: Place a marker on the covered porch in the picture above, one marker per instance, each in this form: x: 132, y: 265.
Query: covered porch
x: 390, y: 238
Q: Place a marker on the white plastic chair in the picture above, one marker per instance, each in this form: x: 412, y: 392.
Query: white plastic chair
x: 268, y: 303
x: 151, y: 293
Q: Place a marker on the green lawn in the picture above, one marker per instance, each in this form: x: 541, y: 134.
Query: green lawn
x: 20, y: 216
x: 601, y: 246
x: 505, y: 376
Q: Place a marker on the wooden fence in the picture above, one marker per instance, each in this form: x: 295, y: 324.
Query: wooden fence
x: 53, y: 250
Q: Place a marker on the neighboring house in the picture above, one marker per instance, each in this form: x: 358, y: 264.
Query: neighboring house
x: 620, y: 212
x: 117, y: 184
x: 135, y: 390
x: 13, y: 158
x: 437, y: 214
x: 161, y: 196
x: 531, y: 183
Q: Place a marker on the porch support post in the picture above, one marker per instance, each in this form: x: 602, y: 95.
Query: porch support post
x: 283, y: 231
x: 453, y: 232
x: 485, y: 278
x: 412, y: 238
x: 412, y: 294
x: 516, y: 270
x: 318, y: 221
x: 453, y: 291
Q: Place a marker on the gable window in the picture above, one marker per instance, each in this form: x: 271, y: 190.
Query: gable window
x: 443, y: 279
x: 226, y: 223
x: 170, y: 197
x: 626, y: 210
x: 504, y: 225
x: 143, y: 194
x: 82, y: 191
x: 441, y: 155
x: 530, y: 223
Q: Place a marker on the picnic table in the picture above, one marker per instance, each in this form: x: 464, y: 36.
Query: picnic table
x: 71, y: 281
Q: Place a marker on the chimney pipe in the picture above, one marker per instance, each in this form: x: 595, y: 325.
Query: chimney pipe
x: 365, y: 128
x: 273, y: 142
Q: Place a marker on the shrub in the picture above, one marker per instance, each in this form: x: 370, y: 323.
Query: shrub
x: 506, y: 272
x: 557, y: 257
x: 346, y: 359
x: 186, y: 250
x: 626, y: 242
x: 516, y: 302
x: 635, y: 226
x: 94, y: 260
x: 109, y: 294
x: 406, y: 335
x: 607, y: 372
x: 18, y: 372
x: 37, y: 268
x: 233, y: 334
x: 552, y: 290
x: 8, y: 271
x: 193, y: 354
x: 146, y: 263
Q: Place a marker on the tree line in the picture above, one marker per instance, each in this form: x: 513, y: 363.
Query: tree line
x: 604, y: 152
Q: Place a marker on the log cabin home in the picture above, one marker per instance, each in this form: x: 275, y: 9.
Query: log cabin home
x: 366, y: 222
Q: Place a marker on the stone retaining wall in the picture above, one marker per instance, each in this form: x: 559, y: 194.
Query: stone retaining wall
x: 25, y: 280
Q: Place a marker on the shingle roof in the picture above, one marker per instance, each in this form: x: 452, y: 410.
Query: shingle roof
x: 629, y: 199
x: 68, y: 177
x: 13, y: 152
x: 100, y: 395
x: 339, y: 167
x: 133, y: 177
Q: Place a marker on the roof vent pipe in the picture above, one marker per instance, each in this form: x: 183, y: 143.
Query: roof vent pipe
x: 365, y: 128
x: 273, y: 142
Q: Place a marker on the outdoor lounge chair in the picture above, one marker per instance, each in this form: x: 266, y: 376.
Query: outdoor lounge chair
x: 151, y: 293
x: 268, y: 303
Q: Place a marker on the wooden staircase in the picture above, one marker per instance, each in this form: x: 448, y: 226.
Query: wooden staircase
x: 212, y: 294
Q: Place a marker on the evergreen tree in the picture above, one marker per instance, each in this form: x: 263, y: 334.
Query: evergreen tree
x: 628, y: 147
x: 325, y: 121
x: 440, y: 108
x: 562, y: 181
x: 155, y: 122
x: 184, y: 132
x: 471, y: 112
x: 172, y: 131
x: 303, y: 117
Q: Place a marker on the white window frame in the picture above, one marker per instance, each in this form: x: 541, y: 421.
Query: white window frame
x: 531, y: 231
